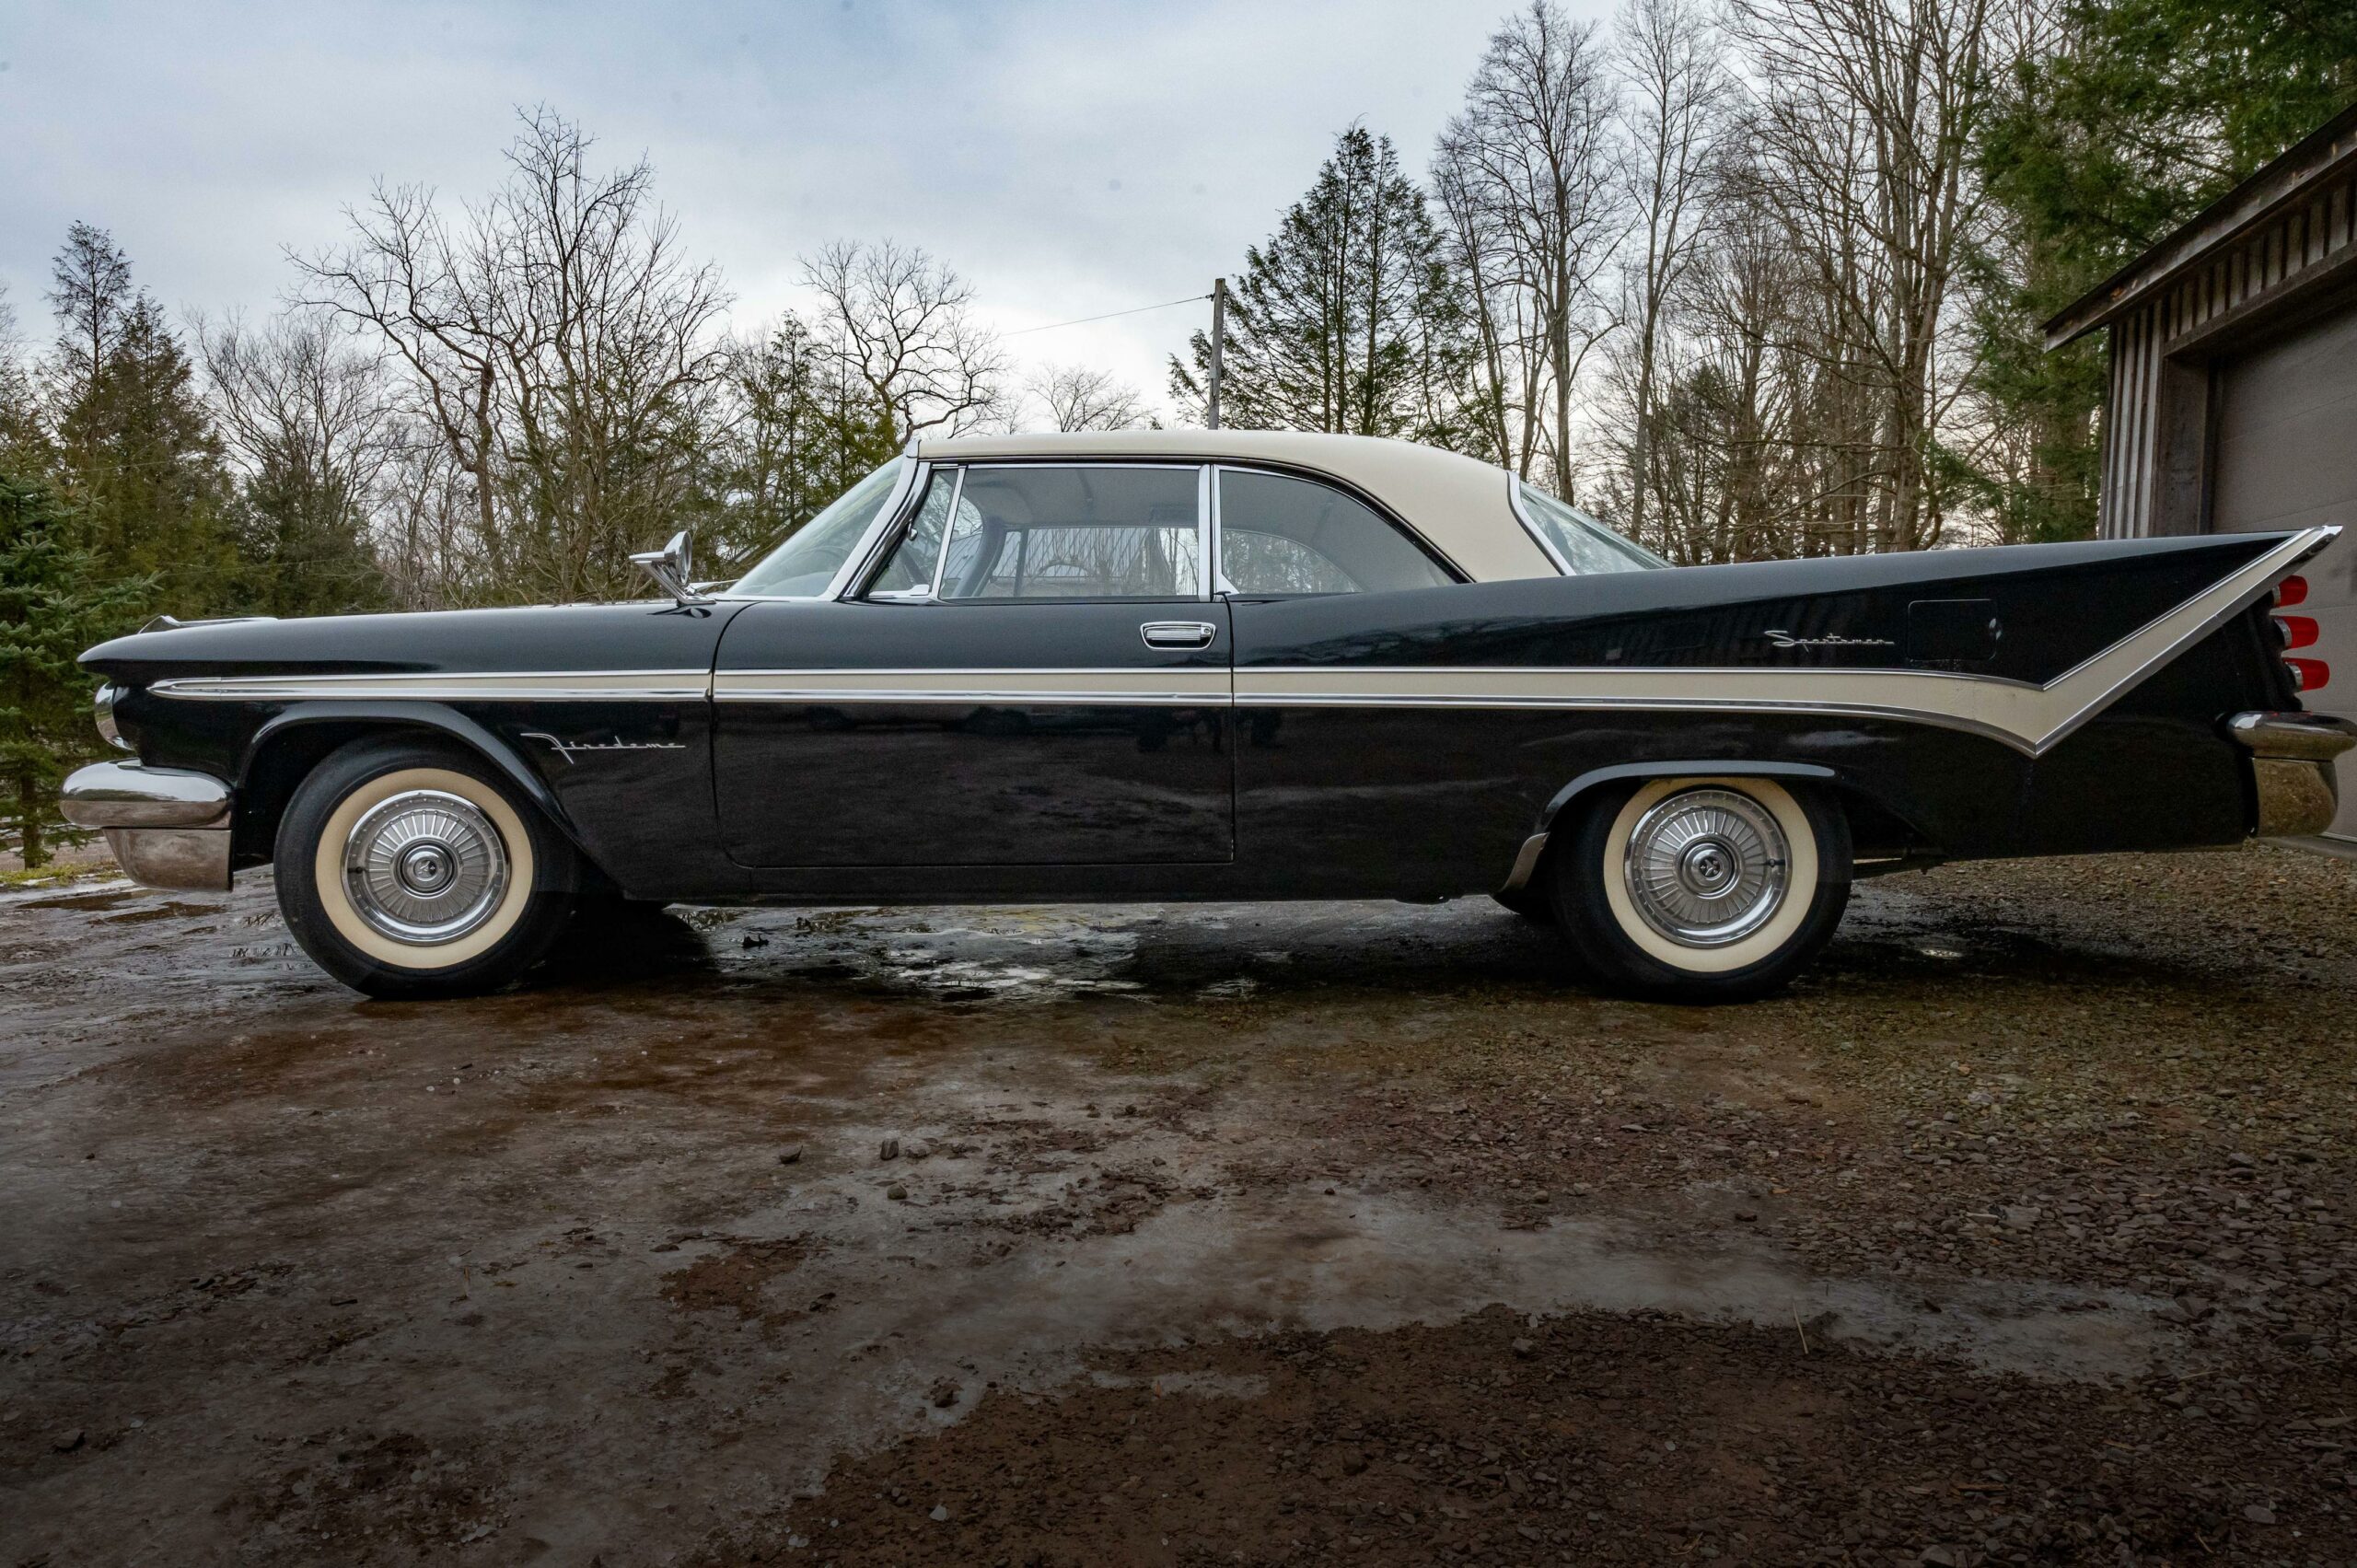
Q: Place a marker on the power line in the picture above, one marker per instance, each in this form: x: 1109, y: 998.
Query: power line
x: 1084, y: 320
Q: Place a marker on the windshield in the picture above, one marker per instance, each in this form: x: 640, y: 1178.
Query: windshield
x: 1579, y: 543
x: 803, y: 566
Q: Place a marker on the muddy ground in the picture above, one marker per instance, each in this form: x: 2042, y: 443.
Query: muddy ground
x: 2021, y: 1231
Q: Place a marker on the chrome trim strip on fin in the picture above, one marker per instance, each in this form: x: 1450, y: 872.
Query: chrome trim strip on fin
x: 2032, y: 719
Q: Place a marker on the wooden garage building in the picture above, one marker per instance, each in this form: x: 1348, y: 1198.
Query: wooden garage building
x: 2232, y: 395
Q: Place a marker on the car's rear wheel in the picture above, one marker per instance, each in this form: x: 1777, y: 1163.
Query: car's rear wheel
x: 1702, y: 889
x: 407, y: 869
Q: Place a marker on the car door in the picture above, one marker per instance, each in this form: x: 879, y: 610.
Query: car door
x: 1337, y: 795
x: 1036, y: 674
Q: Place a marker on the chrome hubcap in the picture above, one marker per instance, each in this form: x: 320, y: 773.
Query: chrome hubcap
x: 1707, y: 868
x: 424, y: 867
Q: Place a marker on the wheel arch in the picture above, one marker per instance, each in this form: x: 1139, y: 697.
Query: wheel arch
x: 1876, y: 826
x: 285, y: 751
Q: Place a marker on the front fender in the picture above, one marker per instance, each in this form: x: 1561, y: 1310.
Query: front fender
x: 413, y: 715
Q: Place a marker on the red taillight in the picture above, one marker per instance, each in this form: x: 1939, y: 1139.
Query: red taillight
x: 2290, y: 591
x: 2307, y: 674
x: 2297, y: 631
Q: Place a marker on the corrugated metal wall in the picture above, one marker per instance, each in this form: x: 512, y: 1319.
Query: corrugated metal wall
x: 2282, y: 249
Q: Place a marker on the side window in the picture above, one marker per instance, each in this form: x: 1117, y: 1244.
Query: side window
x: 909, y: 569
x: 1278, y: 535
x: 1081, y: 530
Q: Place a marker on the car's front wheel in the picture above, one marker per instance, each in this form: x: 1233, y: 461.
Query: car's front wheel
x: 407, y: 869
x: 1702, y: 889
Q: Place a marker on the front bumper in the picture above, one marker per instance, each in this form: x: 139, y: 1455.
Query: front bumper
x: 2292, y: 764
x: 167, y: 826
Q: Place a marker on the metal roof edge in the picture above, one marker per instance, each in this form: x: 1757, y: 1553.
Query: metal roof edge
x: 2318, y: 156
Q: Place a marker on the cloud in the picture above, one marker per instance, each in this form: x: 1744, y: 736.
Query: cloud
x: 1069, y: 159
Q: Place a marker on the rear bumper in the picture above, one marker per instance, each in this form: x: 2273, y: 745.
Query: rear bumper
x: 2292, y: 769
x: 167, y: 826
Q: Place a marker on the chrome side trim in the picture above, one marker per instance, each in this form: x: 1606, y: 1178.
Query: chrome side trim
x: 2032, y: 719
x: 1176, y: 686
x: 126, y: 795
x: 185, y: 859
x: 573, y: 686
x: 1829, y: 693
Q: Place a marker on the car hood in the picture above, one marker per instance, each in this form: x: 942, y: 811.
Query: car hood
x: 645, y: 635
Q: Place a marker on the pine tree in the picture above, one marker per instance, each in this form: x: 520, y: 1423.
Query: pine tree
x: 55, y: 602
x: 2142, y: 114
x: 1348, y: 320
x: 136, y: 455
x: 800, y: 436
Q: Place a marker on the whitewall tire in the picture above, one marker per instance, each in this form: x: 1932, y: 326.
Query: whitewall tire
x: 1704, y: 889
x: 407, y: 868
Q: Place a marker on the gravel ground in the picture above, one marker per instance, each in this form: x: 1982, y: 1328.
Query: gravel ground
x: 2019, y: 1232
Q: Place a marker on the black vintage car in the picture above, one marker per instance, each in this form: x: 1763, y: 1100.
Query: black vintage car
x: 1218, y: 664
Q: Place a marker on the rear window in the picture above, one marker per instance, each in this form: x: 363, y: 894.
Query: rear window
x: 1281, y: 535
x: 1580, y: 545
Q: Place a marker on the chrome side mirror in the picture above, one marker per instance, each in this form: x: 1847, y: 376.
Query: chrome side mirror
x: 673, y: 569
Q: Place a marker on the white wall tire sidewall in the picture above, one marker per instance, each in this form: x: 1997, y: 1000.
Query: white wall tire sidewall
x: 1801, y: 893
x: 335, y: 902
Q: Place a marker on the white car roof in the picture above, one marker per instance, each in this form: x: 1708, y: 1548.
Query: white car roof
x: 1463, y: 507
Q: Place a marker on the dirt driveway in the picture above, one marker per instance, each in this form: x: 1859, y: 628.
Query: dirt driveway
x: 2021, y: 1232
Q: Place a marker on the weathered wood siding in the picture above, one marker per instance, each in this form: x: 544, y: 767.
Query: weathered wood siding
x: 2275, y: 258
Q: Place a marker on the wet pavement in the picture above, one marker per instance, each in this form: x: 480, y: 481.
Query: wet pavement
x: 740, y: 1234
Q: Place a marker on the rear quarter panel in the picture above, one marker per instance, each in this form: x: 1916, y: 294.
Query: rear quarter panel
x: 1443, y: 796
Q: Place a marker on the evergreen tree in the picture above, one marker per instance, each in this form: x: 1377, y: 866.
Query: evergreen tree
x: 1348, y: 319
x: 55, y: 600
x: 136, y: 455
x: 800, y: 435
x: 2142, y: 113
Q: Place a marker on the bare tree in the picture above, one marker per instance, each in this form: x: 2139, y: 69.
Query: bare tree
x: 1864, y: 121
x: 1079, y: 398
x: 310, y: 421
x: 1527, y: 178
x: 1675, y: 90
x: 558, y: 344
x: 893, y: 318
x: 1508, y: 365
x: 427, y: 546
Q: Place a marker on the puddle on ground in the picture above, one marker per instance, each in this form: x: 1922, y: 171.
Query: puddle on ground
x: 111, y: 897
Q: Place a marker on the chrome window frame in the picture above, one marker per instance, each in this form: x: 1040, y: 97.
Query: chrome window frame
x: 879, y: 550
x: 899, y: 536
x: 1538, y: 535
x: 1216, y: 583
x: 1384, y: 514
x: 1547, y: 546
x: 904, y: 490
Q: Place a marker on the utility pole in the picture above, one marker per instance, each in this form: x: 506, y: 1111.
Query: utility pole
x: 1219, y: 346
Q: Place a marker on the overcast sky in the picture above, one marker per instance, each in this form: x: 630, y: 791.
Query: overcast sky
x: 1067, y: 157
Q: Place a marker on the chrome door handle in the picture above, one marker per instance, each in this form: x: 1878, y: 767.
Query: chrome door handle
x: 1177, y: 634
